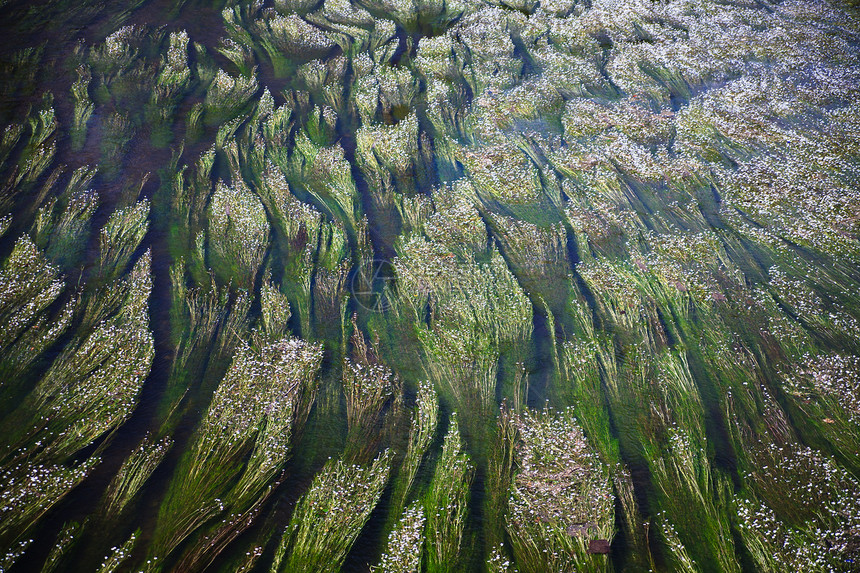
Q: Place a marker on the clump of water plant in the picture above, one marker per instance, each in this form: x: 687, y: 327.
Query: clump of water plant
x: 238, y: 450
x: 405, y: 544
x: 561, y: 497
x: 330, y: 515
x: 238, y: 233
x: 446, y: 503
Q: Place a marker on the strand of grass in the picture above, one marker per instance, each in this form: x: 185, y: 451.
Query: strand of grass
x: 425, y: 419
x: 561, y: 499
x: 120, y: 237
x: 222, y: 534
x: 119, y: 555
x: 680, y: 558
x: 244, y: 440
x: 11, y: 136
x: 68, y: 536
x: 446, y: 503
x: 405, y: 544
x: 134, y: 472
x: 330, y: 515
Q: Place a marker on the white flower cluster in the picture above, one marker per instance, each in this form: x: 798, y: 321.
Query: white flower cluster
x: 121, y: 235
x: 367, y: 386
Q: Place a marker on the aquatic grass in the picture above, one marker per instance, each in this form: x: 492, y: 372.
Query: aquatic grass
x: 238, y: 233
x: 36, y: 154
x: 84, y: 107
x: 465, y: 340
x: 404, y: 547
x: 446, y: 503
x: 561, y: 496
x: 426, y: 16
x: 390, y: 152
x: 283, y: 39
x: 173, y: 79
x: 503, y: 173
x: 240, y: 446
x: 93, y: 385
x: 228, y: 97
x: 66, y: 540
x: 825, y: 389
x: 422, y: 430
x: 498, y: 562
x: 486, y: 43
x: 30, y: 489
x: 119, y: 555
x: 117, y: 131
x: 801, y: 511
x: 134, y: 472
x: 324, y: 80
x: 330, y: 515
x: 537, y: 255
x: 120, y: 237
x: 61, y: 227
x: 500, y: 472
x: 29, y: 284
x: 455, y: 221
x: 274, y: 310
x: 368, y: 386
x: 203, y: 318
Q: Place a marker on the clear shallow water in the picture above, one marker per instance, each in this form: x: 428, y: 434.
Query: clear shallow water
x: 604, y: 209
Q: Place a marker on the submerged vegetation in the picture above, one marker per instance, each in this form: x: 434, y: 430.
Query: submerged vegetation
x: 430, y: 286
